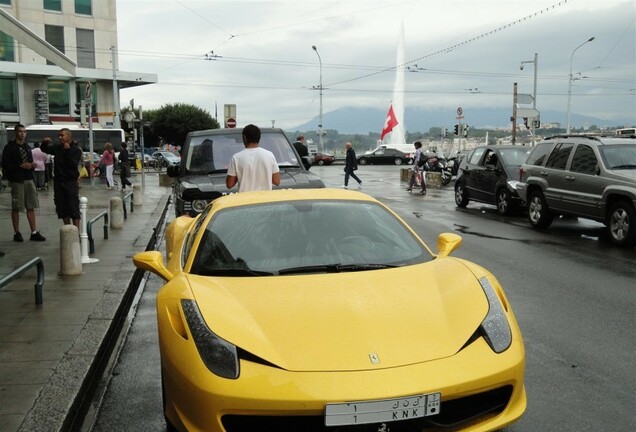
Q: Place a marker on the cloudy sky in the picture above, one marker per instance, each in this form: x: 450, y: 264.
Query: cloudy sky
x: 258, y: 55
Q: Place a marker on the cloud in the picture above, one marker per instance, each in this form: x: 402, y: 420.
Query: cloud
x: 466, y: 53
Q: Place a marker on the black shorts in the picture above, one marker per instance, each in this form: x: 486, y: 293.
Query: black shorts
x: 67, y: 199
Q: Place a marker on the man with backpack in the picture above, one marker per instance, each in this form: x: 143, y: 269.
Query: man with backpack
x: 419, y: 166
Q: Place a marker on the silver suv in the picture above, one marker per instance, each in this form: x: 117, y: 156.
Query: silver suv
x: 586, y: 176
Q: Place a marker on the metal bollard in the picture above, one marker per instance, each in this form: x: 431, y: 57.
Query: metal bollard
x: 84, y: 235
x: 116, y: 213
x: 70, y: 262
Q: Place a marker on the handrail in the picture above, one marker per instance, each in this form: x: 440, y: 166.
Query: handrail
x: 89, y: 230
x: 15, y: 274
x: 130, y: 195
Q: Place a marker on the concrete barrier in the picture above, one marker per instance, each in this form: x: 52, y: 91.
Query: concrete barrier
x: 70, y: 256
x: 138, y: 196
x: 165, y: 180
x: 116, y: 213
x: 433, y: 179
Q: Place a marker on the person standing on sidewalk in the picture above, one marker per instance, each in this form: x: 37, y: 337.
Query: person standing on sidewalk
x: 124, y: 167
x: 39, y: 161
x: 253, y: 168
x: 419, y: 160
x: 302, y: 150
x: 17, y: 166
x: 66, y: 173
x: 351, y: 165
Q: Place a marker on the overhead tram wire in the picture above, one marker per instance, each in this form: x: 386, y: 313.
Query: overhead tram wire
x: 454, y: 47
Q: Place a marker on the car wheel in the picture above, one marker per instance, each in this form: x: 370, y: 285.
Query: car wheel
x: 321, y: 162
x: 461, y: 197
x: 539, y: 214
x: 621, y: 224
x: 363, y: 161
x: 503, y: 202
x: 446, y: 179
x: 398, y: 161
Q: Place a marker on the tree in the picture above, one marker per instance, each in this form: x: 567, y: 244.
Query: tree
x: 172, y: 123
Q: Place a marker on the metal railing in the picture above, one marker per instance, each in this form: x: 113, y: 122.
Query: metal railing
x: 130, y: 195
x: 89, y: 229
x: 15, y: 274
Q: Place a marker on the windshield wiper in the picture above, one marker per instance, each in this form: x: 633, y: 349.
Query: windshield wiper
x: 233, y: 272
x: 333, y: 268
x: 216, y: 171
x: 624, y: 167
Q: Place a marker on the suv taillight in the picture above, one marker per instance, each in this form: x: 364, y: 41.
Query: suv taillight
x: 520, y: 174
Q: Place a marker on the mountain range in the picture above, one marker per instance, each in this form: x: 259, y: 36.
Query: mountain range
x: 351, y: 120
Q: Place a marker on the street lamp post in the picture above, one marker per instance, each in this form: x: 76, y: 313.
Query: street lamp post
x: 322, y: 148
x: 570, y: 82
x: 534, y: 92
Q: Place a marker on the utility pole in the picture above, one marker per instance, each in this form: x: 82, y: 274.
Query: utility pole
x: 514, y: 115
x: 116, y: 119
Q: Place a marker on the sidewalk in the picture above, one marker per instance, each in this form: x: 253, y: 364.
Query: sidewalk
x: 48, y: 351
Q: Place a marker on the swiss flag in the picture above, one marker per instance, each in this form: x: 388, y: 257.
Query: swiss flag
x: 390, y: 123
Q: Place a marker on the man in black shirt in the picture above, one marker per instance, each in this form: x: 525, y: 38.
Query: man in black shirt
x: 302, y: 150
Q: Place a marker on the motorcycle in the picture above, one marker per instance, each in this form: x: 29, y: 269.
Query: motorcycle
x: 437, y: 164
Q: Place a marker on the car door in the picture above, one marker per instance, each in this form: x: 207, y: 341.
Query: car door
x: 473, y: 174
x: 583, y: 190
x: 554, y: 174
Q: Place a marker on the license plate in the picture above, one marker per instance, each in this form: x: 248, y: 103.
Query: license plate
x: 382, y: 411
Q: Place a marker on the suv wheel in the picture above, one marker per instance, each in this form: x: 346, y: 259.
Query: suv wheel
x: 621, y: 224
x: 504, y: 202
x: 461, y: 197
x: 538, y: 213
x: 362, y: 161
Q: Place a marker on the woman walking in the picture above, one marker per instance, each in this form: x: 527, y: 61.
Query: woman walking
x: 418, y: 168
x: 108, y: 159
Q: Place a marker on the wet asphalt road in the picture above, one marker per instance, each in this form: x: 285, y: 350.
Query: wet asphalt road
x: 573, y: 294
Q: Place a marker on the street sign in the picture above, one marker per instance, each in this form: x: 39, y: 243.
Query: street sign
x: 524, y: 98
x: 527, y: 112
x: 460, y: 111
x: 87, y: 90
x: 231, y: 122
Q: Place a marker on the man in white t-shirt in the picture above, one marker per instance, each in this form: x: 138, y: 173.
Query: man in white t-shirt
x: 253, y: 168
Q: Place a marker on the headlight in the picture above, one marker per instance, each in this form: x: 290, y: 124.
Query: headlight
x: 496, y: 329
x: 512, y: 185
x: 199, y: 205
x: 219, y: 355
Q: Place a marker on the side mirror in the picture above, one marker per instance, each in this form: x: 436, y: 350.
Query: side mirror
x: 447, y: 243
x: 152, y: 261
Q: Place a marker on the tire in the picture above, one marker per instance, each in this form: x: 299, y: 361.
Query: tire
x: 503, y: 200
x: 321, y: 162
x: 363, y: 161
x: 461, y: 197
x: 446, y: 179
x: 539, y: 214
x: 621, y: 224
x: 398, y: 161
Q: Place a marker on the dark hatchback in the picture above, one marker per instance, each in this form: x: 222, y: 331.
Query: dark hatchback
x: 489, y: 174
x: 200, y: 176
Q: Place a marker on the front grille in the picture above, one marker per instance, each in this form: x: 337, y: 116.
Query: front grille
x: 453, y: 413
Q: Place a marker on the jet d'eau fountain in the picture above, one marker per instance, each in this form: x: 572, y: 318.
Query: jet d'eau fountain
x: 394, y: 130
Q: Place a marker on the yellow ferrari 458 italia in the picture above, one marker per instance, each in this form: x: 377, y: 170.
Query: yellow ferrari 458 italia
x: 321, y: 310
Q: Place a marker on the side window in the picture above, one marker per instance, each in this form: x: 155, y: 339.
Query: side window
x: 476, y: 156
x: 584, y: 160
x: 559, y: 156
x: 539, y: 154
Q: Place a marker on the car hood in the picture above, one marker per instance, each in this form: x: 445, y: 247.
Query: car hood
x: 289, y: 177
x: 336, y: 322
x: 627, y: 174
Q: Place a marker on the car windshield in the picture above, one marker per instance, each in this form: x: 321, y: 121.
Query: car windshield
x: 619, y: 156
x: 305, y: 237
x: 213, y: 153
x: 514, y: 156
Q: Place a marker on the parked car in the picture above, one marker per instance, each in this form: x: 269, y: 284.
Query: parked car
x: 296, y: 310
x: 489, y: 174
x: 584, y: 176
x: 324, y: 158
x: 384, y: 156
x: 165, y: 158
x: 200, y: 176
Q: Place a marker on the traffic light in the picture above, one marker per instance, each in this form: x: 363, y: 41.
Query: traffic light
x: 80, y: 112
x: 466, y: 130
x: 456, y: 129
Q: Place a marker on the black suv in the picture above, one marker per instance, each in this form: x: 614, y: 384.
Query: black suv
x: 585, y: 176
x: 206, y: 155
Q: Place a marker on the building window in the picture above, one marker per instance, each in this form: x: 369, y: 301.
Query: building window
x: 5, y: 2
x: 85, y: 48
x: 83, y: 7
x: 59, y: 97
x: 7, y: 52
x: 53, y: 5
x: 8, y: 95
x: 55, y: 36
